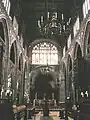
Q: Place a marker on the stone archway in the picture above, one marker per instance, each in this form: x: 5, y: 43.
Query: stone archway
x: 87, y: 39
x: 43, y: 53
x: 4, y: 41
x: 2, y: 32
x: 87, y: 58
x: 79, y: 72
x: 13, y: 52
x: 42, y: 80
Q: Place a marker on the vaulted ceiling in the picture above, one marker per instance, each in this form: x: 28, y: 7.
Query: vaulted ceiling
x: 33, y: 9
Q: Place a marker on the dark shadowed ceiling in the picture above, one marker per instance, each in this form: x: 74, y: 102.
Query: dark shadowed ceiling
x: 33, y: 9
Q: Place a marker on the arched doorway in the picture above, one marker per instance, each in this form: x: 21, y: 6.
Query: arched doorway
x: 44, y: 54
x: 79, y: 72
x: 3, y: 32
x: 87, y: 62
x: 69, y: 85
x: 87, y: 58
x: 12, y: 72
x: 43, y: 86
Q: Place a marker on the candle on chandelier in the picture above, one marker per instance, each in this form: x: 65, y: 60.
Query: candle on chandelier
x: 56, y: 14
x: 39, y: 23
x: 41, y: 19
x: 62, y: 17
x: 48, y: 15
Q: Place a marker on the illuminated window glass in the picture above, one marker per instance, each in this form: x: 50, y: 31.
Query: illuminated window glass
x: 45, y: 53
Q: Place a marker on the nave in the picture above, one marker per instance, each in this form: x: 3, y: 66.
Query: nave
x: 45, y: 56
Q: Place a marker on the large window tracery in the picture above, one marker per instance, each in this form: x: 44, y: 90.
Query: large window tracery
x: 45, y: 53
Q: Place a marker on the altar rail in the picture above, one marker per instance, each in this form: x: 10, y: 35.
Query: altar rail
x: 20, y: 113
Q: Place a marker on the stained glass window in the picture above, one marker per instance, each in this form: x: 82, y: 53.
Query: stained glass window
x: 45, y: 53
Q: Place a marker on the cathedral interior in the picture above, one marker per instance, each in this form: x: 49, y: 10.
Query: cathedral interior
x: 45, y: 59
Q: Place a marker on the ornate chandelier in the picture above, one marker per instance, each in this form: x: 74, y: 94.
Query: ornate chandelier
x: 51, y: 26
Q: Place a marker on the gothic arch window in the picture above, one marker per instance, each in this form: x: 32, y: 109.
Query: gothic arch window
x: 19, y: 64
x: 45, y: 53
x: 12, y: 52
x: 2, y: 31
x: 88, y: 46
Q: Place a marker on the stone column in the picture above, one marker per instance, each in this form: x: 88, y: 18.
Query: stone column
x: 15, y: 84
x: 52, y: 96
x: 22, y: 87
x: 73, y: 88
x: 62, y: 91
x: 5, y: 71
x: 62, y: 87
x: 36, y: 96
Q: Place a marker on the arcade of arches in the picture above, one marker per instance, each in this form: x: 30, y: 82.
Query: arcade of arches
x: 43, y: 70
x: 46, y: 67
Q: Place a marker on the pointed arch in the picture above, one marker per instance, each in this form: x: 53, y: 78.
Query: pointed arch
x: 25, y: 73
x: 3, y: 30
x: 45, y: 53
x: 46, y: 40
x: 77, y: 51
x: 69, y: 63
x: 87, y: 39
x: 20, y: 62
x: 13, y: 52
x: 4, y: 40
x: 88, y: 44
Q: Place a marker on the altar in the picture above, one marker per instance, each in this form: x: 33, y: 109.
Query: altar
x: 40, y: 102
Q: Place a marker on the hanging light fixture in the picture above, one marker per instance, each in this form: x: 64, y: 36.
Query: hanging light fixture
x: 51, y: 26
